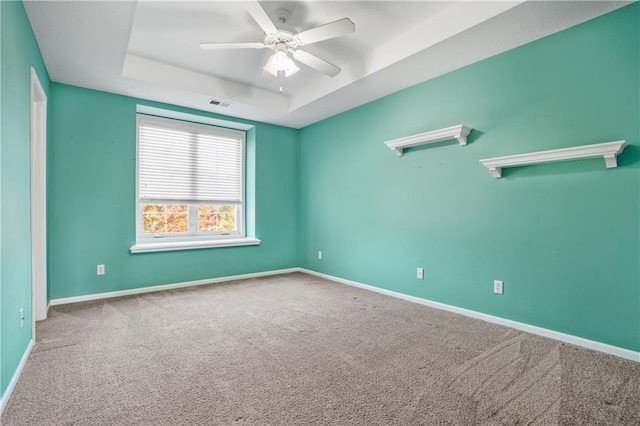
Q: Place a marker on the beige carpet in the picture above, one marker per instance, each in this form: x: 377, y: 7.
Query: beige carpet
x: 298, y: 350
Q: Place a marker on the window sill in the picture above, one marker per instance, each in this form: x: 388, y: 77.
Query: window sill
x: 191, y: 245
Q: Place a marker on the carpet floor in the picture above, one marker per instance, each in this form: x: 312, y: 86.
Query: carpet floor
x: 299, y: 350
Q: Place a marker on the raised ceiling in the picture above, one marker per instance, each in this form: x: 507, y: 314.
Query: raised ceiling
x: 150, y: 49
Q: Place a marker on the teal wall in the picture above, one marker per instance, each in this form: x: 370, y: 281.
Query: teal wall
x: 91, y: 190
x: 19, y: 52
x: 564, y: 237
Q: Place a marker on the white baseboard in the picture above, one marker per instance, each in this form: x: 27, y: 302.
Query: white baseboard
x: 567, y: 338
x: 14, y: 380
x: 141, y: 290
x: 556, y: 335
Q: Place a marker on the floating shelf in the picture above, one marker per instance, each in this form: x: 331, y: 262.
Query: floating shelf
x: 608, y: 150
x: 459, y: 132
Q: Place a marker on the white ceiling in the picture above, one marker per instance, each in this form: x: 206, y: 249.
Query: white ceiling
x: 150, y: 49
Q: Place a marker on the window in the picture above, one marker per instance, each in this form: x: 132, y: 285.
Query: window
x: 190, y: 180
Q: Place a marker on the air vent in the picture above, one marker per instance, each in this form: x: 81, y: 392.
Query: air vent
x: 221, y: 104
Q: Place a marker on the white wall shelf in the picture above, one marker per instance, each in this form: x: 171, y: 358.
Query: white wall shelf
x: 458, y: 132
x: 608, y: 150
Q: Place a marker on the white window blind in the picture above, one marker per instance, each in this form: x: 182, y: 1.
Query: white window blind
x: 188, y: 162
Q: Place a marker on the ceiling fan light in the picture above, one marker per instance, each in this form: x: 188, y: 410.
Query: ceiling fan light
x: 291, y: 68
x: 280, y: 61
x: 270, y: 66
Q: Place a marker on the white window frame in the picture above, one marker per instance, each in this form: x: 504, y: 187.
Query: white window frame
x: 194, y: 239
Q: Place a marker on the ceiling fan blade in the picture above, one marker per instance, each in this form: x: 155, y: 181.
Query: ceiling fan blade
x: 324, y: 32
x: 316, y: 63
x: 260, y: 16
x: 217, y: 46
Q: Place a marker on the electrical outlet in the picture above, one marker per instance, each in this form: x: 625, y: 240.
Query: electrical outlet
x: 320, y: 255
x: 498, y: 287
x: 420, y: 274
x: 100, y: 269
x: 21, y: 317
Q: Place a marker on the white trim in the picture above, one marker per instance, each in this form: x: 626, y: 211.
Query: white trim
x: 158, y: 112
x: 458, y: 133
x: 38, y: 172
x: 133, y: 291
x: 563, y: 337
x: 196, y: 239
x: 14, y: 380
x: 608, y: 151
x: 194, y: 244
x: 567, y: 338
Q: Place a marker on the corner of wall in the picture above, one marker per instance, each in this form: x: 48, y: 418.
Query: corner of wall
x: 298, y: 202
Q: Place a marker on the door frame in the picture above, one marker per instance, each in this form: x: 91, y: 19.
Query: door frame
x: 38, y: 144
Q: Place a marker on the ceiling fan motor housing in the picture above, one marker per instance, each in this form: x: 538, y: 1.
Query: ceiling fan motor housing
x: 281, y: 37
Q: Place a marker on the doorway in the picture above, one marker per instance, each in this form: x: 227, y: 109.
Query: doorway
x: 38, y: 200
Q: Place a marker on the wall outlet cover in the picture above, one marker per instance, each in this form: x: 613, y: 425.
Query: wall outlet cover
x: 498, y: 287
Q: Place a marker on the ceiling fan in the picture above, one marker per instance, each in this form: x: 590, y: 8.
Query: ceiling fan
x: 284, y: 43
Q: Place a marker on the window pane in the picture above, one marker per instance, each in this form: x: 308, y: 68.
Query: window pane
x: 207, y: 218
x: 177, y: 223
x: 178, y: 208
x: 206, y: 210
x: 153, y: 223
x: 165, y: 218
x: 217, y: 218
x: 227, y: 210
x: 227, y: 222
x: 153, y: 208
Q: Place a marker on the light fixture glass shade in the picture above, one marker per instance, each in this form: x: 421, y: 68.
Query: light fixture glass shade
x: 280, y: 61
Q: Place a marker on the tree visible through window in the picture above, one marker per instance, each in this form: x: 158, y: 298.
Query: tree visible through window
x: 165, y: 218
x: 217, y: 218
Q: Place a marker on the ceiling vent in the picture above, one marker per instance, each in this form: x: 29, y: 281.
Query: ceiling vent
x: 218, y: 103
